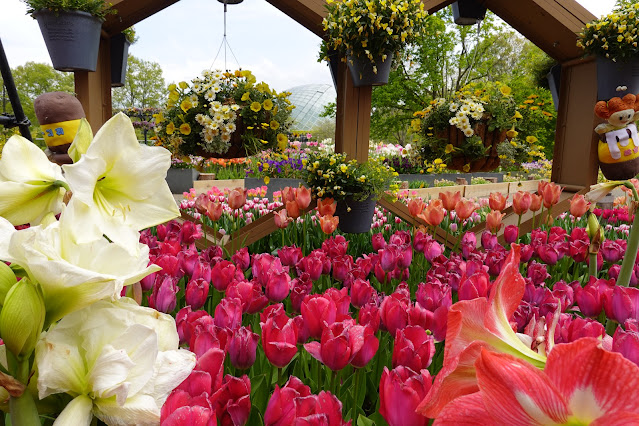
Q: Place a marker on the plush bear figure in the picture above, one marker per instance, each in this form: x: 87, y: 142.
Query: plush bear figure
x: 618, y: 148
x: 59, y: 115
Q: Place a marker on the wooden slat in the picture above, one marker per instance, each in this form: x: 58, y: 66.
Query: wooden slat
x: 309, y: 13
x: 130, y: 12
x: 484, y: 190
x: 202, y: 186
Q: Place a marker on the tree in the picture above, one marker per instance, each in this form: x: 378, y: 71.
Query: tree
x: 33, y: 79
x: 143, y: 88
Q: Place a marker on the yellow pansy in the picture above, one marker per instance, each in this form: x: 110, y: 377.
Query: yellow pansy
x: 185, y: 129
x: 256, y: 106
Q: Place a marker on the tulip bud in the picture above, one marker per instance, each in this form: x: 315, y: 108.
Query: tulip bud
x: 22, y: 318
x: 7, y: 280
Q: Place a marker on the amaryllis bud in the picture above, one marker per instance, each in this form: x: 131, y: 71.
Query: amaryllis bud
x: 22, y: 318
x: 7, y: 280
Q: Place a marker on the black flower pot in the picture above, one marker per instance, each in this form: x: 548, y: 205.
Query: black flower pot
x: 363, y: 70
x: 468, y: 12
x: 119, y: 56
x: 616, y: 74
x: 72, y: 39
x: 355, y: 217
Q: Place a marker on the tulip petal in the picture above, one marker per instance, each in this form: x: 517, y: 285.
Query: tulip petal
x: 594, y: 381
x: 516, y: 393
x: 314, y: 348
x: 77, y: 412
x: 465, y: 410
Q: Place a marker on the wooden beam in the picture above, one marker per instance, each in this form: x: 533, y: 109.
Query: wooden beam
x: 93, y: 89
x: 575, y: 159
x: 308, y: 13
x: 130, y: 12
x: 353, y: 116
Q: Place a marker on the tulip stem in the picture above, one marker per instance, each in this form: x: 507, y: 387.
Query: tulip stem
x: 518, y: 225
x: 355, y: 396
x: 631, y: 249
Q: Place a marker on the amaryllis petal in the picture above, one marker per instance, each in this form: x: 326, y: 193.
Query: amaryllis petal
x: 465, y: 410
x: 516, y: 393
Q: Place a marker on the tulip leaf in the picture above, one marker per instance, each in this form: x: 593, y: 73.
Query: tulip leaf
x: 259, y: 393
x: 374, y: 419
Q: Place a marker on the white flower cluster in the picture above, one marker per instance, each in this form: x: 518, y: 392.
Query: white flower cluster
x: 220, y: 121
x: 465, y: 108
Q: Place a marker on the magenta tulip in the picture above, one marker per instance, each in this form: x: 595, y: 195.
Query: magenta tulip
x: 228, y: 313
x: 279, y: 339
x: 280, y: 410
x: 232, y: 401
x: 196, y: 293
x: 339, y: 344
x: 414, y: 348
x: 400, y: 392
x: 242, y: 348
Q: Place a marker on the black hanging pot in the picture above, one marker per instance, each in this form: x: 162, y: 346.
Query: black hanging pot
x: 72, y: 38
x: 355, y: 217
x: 363, y: 71
x: 554, y: 78
x: 119, y: 56
x: 468, y: 12
x: 613, y: 75
x: 333, y: 64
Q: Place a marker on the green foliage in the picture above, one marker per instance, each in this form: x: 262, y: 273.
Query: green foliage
x: 613, y: 36
x: 332, y: 175
x: 325, y: 129
x: 143, y: 87
x: 130, y: 35
x: 97, y: 8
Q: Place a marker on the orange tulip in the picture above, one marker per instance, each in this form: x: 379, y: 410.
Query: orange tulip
x: 415, y: 206
x: 464, y: 208
x: 433, y: 213
x: 493, y: 221
x: 288, y: 194
x: 551, y: 194
x: 303, y: 197
x: 329, y: 223
x: 293, y: 209
x: 237, y: 198
x: 450, y: 199
x: 535, y: 202
x: 497, y: 201
x: 521, y: 202
x: 281, y: 219
x: 202, y: 203
x: 215, y: 211
x: 578, y: 205
x: 541, y: 185
x: 326, y: 206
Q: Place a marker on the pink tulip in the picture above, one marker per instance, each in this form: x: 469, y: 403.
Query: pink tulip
x: 237, y: 198
x: 400, y: 392
x: 368, y: 350
x: 228, y: 313
x: 511, y: 233
x: 300, y: 288
x: 232, y: 401
x: 289, y: 256
x: 222, y: 275
x: 277, y: 286
x: 413, y: 348
x: 279, y: 339
x: 339, y: 343
x: 361, y: 292
x: 196, y: 293
x: 280, y: 410
x: 163, y: 298
x: 626, y: 341
x: 394, y: 312
x: 378, y: 242
x: 242, y: 259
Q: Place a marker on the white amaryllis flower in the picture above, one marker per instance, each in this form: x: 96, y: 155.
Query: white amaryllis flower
x: 118, y: 360
x: 72, y: 274
x: 30, y: 185
x: 122, y: 183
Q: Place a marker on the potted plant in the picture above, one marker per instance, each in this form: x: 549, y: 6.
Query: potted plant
x: 71, y: 30
x: 223, y: 114
x: 355, y: 186
x: 468, y: 12
x: 369, y: 33
x: 613, y: 40
x: 181, y: 175
x: 465, y: 130
x: 120, y: 44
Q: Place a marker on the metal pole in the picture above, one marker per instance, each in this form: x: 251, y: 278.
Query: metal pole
x: 20, y: 119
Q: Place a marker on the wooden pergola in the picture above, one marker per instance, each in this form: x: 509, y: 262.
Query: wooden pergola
x: 552, y: 25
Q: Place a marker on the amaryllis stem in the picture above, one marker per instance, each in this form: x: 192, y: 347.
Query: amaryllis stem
x: 23, y: 409
x: 592, y: 267
x: 631, y: 249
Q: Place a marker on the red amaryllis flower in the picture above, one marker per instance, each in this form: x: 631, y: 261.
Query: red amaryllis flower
x: 339, y: 344
x: 400, y: 392
x: 279, y: 339
x: 242, y: 348
x: 497, y: 201
x: 581, y: 384
x: 328, y: 224
x: 280, y: 410
x: 232, y: 401
x: 449, y: 199
x: 464, y: 208
x: 326, y: 206
x: 414, y: 348
x: 521, y: 202
x: 237, y: 198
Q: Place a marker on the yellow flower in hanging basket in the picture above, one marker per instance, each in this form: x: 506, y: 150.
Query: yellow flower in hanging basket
x: 274, y: 125
x: 281, y: 141
x: 170, y: 128
x: 185, y: 129
x: 268, y: 104
x: 246, y: 96
x: 256, y: 106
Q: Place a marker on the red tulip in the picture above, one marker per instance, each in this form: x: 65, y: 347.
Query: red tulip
x: 394, y: 312
x: 321, y: 410
x: 263, y: 265
x: 497, y: 201
x: 449, y: 199
x: 415, y: 206
x: 493, y: 221
x: 578, y: 205
x: 317, y: 312
x: 303, y: 197
x: 326, y: 206
x: 521, y: 202
x: 511, y: 233
x: 289, y: 256
x: 222, y: 274
x: 328, y: 224
x: 413, y: 348
x: 339, y: 344
x: 232, y: 401
x: 242, y: 348
x: 464, y: 208
x: 368, y: 349
x: 242, y: 259
x: 180, y: 408
x: 475, y: 286
x: 300, y: 288
x: 313, y: 265
x: 196, y: 293
x: 388, y: 258
x: 228, y: 313
x: 400, y: 391
x: 237, y: 198
x: 280, y: 410
x: 163, y: 298
x: 361, y: 292
x: 626, y: 342
x: 369, y: 316
x: 378, y: 242
x: 278, y: 285
x: 279, y: 339
x: 250, y: 294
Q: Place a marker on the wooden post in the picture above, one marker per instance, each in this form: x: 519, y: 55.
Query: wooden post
x: 93, y: 89
x: 353, y: 116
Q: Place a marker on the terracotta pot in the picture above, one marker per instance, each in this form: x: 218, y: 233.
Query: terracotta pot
x: 490, y: 139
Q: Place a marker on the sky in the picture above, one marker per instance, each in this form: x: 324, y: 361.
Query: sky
x: 186, y: 37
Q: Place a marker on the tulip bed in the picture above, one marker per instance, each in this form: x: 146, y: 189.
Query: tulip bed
x: 308, y: 328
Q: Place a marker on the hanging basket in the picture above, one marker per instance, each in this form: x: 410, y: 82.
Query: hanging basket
x: 72, y: 39
x: 237, y: 148
x: 468, y: 12
x: 119, y: 56
x: 355, y: 217
x: 362, y: 71
x: 490, y: 139
x: 613, y: 74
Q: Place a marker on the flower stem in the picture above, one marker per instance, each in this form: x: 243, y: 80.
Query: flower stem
x: 23, y: 409
x: 592, y: 264
x: 631, y: 249
x: 355, y: 395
